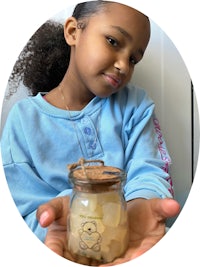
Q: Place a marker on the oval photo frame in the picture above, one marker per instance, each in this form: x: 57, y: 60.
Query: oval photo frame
x: 18, y: 244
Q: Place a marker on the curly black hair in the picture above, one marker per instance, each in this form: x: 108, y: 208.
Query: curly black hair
x: 44, y: 60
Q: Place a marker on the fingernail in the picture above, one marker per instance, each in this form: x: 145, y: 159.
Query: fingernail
x: 43, y: 217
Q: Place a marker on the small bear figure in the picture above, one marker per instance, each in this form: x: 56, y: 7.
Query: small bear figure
x: 89, y: 237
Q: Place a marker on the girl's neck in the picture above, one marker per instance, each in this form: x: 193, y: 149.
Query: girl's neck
x: 66, y: 96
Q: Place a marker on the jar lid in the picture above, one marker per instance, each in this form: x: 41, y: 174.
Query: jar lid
x: 94, y: 171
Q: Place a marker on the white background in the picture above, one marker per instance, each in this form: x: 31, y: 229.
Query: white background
x: 18, y: 21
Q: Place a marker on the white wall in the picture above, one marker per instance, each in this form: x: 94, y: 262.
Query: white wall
x: 165, y: 77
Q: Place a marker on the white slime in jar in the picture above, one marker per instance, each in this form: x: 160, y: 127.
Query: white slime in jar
x: 98, y: 225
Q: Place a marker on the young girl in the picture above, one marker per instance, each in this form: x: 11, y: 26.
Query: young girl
x: 88, y: 111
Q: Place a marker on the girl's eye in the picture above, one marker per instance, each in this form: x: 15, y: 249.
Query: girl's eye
x: 112, y: 41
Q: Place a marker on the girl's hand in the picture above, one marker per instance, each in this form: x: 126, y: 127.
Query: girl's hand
x: 54, y: 216
x: 146, y: 222
x: 147, y: 225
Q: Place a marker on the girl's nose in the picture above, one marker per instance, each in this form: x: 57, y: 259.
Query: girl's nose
x: 122, y: 65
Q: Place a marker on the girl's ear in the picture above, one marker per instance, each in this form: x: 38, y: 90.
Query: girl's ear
x: 70, y: 31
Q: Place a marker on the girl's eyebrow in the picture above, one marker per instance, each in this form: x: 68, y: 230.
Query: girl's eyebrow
x: 127, y: 35
x: 121, y: 30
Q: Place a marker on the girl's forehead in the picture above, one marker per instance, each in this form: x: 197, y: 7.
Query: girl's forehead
x: 112, y: 8
x: 120, y: 13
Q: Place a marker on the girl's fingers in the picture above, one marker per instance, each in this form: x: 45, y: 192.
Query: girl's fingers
x: 52, y: 210
x: 165, y: 208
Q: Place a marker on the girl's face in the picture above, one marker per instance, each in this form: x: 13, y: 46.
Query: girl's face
x: 105, y: 52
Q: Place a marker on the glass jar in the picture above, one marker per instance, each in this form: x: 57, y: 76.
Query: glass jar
x: 98, y: 224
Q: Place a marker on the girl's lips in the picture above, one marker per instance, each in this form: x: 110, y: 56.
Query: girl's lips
x: 113, y: 80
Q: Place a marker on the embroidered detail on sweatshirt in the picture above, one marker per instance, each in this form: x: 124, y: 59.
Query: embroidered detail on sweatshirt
x: 163, y: 153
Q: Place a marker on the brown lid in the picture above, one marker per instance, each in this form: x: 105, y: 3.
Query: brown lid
x: 96, y: 173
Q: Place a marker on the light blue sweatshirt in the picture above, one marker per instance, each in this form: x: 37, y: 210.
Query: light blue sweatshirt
x: 39, y: 140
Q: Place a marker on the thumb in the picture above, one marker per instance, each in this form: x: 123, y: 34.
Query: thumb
x: 50, y: 211
x: 165, y: 208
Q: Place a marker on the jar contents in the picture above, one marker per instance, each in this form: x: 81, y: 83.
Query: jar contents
x: 98, y: 225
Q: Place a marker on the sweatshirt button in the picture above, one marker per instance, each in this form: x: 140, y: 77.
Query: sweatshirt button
x: 93, y: 145
x: 87, y: 130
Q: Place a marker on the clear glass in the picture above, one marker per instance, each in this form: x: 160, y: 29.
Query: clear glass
x: 98, y: 226
x: 98, y: 222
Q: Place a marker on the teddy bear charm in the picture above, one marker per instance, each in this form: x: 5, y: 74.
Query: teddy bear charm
x: 97, y: 223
